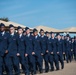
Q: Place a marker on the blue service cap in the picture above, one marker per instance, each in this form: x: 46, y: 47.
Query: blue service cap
x: 2, y: 25
x: 27, y: 28
x: 34, y: 30
x: 46, y: 32
x: 19, y: 27
x: 11, y: 25
x: 41, y: 30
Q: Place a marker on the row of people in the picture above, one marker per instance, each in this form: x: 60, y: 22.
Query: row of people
x: 29, y: 50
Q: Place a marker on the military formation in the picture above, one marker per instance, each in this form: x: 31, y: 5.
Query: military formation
x: 33, y: 49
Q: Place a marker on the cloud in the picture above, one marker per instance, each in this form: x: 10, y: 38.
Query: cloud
x: 25, y: 13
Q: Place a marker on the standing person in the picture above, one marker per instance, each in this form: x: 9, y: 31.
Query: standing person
x: 54, y: 50
x: 60, y: 50
x: 11, y: 57
x: 50, y: 56
x: 68, y: 49
x: 24, y: 32
x: 72, y: 49
x: 29, y: 51
x: 37, y: 49
x: 21, y: 50
x: 44, y: 51
x: 75, y: 48
x: 3, y: 46
x: 63, y: 39
x: 46, y: 33
x: 65, y: 46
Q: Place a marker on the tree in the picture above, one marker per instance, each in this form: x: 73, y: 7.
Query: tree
x: 4, y: 19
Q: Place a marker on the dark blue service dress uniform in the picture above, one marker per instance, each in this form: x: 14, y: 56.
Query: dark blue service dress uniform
x: 29, y: 49
x: 43, y: 44
x: 11, y: 58
x: 37, y: 50
x: 54, y: 48
x: 21, y: 50
x: 72, y: 50
x: 68, y: 50
x: 60, y: 49
x: 3, y: 48
x: 64, y: 55
x: 50, y: 57
x: 75, y: 50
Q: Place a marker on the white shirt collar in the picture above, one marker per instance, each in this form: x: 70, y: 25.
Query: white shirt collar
x: 53, y: 38
x: 42, y: 36
x: 3, y: 32
x: 36, y: 36
x: 28, y: 34
x: 59, y: 39
x: 20, y: 35
x: 49, y: 37
x: 68, y: 39
x: 12, y: 34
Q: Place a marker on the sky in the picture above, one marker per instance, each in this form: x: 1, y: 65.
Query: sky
x: 58, y: 14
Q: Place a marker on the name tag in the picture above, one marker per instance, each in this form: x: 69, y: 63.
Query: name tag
x: 14, y: 39
x: 30, y: 39
x: 38, y: 40
x: 21, y: 39
x: 49, y: 42
x: 5, y: 37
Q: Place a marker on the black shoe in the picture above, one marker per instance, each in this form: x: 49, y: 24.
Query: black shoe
x: 41, y: 71
x: 17, y: 74
x: 27, y: 74
x: 34, y: 73
x: 62, y: 67
x: 67, y: 62
x: 46, y: 71
x: 52, y: 70
x: 57, y: 69
x: 70, y: 61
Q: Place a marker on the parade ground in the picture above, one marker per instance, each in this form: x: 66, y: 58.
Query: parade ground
x: 37, y: 37
x: 70, y: 69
